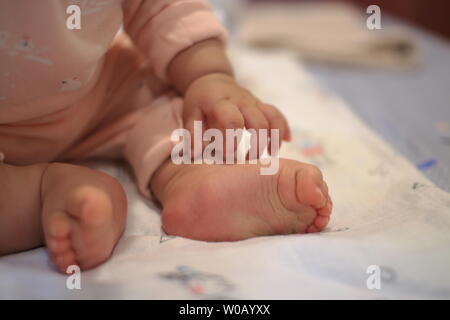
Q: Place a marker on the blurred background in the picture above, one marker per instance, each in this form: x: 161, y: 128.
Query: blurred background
x: 397, y: 78
x: 433, y: 15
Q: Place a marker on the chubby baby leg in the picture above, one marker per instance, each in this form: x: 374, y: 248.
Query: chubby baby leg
x: 20, y: 203
x: 234, y: 202
x: 77, y: 212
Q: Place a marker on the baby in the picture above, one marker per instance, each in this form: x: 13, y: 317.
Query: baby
x: 72, y: 92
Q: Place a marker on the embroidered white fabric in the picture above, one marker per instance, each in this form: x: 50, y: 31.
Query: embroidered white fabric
x: 387, y: 215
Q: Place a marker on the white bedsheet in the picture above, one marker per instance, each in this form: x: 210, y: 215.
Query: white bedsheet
x: 386, y: 214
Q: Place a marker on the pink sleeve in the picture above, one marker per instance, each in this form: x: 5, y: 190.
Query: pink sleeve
x: 163, y: 28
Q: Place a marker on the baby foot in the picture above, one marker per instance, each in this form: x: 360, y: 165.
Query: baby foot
x: 83, y: 215
x: 226, y: 203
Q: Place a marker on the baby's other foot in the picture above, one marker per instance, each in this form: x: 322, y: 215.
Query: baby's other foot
x: 234, y: 202
x: 83, y: 215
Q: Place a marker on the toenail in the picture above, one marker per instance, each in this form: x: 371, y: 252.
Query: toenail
x: 323, y: 199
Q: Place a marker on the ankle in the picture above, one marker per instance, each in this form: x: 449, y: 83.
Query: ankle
x: 162, y: 179
x: 48, y: 173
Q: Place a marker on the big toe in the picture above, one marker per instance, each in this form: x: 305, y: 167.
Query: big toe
x: 57, y: 233
x: 311, y: 190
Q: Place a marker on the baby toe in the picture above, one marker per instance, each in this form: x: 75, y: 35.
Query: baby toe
x: 321, y: 222
x: 58, y: 246
x: 64, y: 260
x: 310, y: 187
x: 312, y: 229
x: 58, y: 226
x: 327, y: 209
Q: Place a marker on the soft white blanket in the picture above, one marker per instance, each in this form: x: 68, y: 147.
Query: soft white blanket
x: 387, y: 215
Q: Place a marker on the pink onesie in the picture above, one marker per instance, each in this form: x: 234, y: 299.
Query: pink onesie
x: 94, y: 92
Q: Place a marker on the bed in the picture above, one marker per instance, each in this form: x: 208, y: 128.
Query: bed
x: 388, y: 237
